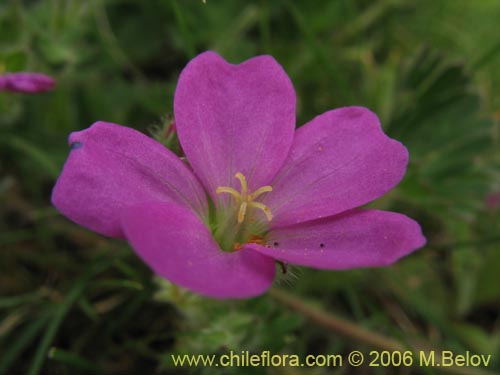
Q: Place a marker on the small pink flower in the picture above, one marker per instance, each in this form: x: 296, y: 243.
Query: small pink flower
x: 493, y: 200
x: 26, y: 82
x: 256, y: 190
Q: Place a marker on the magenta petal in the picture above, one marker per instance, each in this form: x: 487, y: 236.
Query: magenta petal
x: 338, y: 161
x: 111, y: 167
x: 357, y: 238
x: 234, y: 118
x: 26, y: 82
x: 179, y: 247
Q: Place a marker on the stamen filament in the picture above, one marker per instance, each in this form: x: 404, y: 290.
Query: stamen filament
x: 230, y: 190
x: 263, y: 207
x: 261, y: 190
x: 246, y: 200
x: 242, y: 212
x: 243, y: 182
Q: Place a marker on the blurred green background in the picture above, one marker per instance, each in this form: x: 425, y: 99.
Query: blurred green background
x: 75, y: 302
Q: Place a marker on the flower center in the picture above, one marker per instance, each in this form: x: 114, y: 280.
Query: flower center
x: 236, y: 224
x: 246, y: 200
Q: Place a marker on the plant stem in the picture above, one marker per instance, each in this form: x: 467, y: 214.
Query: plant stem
x: 363, y: 335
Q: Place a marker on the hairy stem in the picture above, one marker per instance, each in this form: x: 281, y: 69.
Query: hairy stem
x: 363, y: 335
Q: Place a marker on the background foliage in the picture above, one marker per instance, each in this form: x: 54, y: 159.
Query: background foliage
x: 75, y: 302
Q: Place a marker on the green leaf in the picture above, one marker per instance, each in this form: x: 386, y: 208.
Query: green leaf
x: 61, y: 311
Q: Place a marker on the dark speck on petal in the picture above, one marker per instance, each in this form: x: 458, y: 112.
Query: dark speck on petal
x: 76, y: 145
x: 353, y: 112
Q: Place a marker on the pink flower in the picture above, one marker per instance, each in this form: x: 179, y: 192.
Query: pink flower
x: 493, y: 200
x: 26, y: 82
x: 256, y: 190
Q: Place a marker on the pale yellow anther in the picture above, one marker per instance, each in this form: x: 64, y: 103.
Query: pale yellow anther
x: 246, y: 200
x: 261, y: 190
x: 230, y: 190
x: 264, y: 208
x: 242, y: 212
x: 243, y: 182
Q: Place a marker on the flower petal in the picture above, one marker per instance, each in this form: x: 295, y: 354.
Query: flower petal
x: 26, y: 82
x: 179, y: 247
x: 338, y: 161
x: 353, y: 239
x: 234, y: 118
x: 111, y: 167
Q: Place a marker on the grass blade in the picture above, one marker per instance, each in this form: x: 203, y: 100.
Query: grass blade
x: 61, y: 312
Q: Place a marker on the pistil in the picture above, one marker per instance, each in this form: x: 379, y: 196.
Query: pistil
x: 236, y: 224
x: 246, y: 200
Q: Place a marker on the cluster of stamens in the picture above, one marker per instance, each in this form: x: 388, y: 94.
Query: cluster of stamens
x: 246, y: 200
